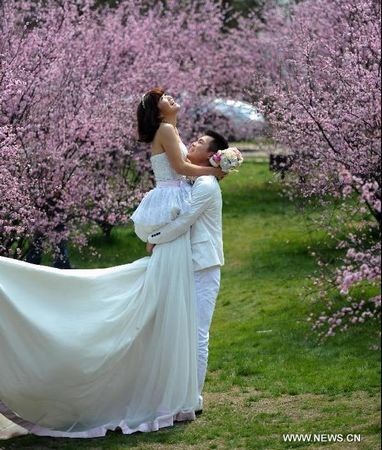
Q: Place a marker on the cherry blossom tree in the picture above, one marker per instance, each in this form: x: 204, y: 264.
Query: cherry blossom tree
x: 17, y: 213
x: 66, y: 121
x: 71, y: 76
x: 319, y: 74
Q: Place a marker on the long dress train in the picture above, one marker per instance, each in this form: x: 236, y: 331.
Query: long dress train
x: 84, y: 351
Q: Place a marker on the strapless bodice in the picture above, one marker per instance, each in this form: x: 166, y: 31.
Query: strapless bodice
x: 170, y: 197
x: 162, y: 167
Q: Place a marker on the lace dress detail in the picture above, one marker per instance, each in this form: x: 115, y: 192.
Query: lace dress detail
x: 162, y: 168
x: 170, y: 197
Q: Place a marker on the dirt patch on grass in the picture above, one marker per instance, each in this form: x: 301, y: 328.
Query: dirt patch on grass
x: 297, y: 407
x: 356, y: 413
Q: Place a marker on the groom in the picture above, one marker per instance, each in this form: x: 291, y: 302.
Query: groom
x: 205, y: 220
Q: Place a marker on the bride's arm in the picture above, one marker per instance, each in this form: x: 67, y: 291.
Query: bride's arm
x: 169, y: 141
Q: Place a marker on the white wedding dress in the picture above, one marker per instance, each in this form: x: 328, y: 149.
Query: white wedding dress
x: 170, y: 197
x: 85, y: 351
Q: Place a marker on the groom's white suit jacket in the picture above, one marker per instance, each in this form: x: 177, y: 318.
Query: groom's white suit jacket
x: 205, y: 219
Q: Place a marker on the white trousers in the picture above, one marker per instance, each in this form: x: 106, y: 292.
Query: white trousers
x: 207, y: 283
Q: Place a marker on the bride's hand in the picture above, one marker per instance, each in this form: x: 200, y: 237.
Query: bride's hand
x: 220, y: 174
x: 150, y: 248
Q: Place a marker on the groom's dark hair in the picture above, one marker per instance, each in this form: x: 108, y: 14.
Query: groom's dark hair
x: 218, y: 141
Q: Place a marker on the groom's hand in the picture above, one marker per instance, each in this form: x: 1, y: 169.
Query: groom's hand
x: 149, y: 248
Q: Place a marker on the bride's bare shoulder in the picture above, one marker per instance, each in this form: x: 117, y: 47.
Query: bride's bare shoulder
x: 166, y: 131
x: 166, y: 127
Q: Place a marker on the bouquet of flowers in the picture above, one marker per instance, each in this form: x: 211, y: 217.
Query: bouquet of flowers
x: 228, y: 160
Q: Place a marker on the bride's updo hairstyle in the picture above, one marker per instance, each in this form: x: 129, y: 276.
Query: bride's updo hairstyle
x: 148, y: 115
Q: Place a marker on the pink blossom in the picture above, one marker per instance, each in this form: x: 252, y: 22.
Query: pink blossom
x: 69, y: 88
x: 319, y: 76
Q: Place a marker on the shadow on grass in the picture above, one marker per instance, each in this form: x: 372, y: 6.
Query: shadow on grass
x: 258, y: 199
x: 121, y: 247
x: 285, y: 261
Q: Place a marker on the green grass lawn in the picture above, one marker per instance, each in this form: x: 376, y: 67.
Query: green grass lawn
x: 268, y: 373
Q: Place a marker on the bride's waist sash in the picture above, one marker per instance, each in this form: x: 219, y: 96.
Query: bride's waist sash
x: 171, y: 183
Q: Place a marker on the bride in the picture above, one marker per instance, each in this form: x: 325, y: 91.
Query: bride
x: 86, y: 351
x: 157, y: 119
